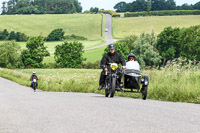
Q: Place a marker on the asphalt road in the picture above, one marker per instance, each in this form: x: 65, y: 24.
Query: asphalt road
x: 25, y: 111
x: 108, y: 34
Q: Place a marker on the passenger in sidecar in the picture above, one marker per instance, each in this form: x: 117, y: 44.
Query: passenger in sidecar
x: 133, y: 79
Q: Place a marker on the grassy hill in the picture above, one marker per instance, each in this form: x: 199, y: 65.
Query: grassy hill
x: 87, y: 25
x: 137, y: 25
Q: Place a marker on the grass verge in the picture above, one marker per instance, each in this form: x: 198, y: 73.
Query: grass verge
x: 165, y: 85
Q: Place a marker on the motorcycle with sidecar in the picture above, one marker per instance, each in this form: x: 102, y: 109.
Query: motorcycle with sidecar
x: 133, y: 81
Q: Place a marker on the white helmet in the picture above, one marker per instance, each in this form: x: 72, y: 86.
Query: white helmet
x: 34, y: 72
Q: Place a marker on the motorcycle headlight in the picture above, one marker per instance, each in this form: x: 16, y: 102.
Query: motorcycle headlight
x: 114, y: 66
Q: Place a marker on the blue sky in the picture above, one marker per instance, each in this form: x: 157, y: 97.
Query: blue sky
x: 109, y: 4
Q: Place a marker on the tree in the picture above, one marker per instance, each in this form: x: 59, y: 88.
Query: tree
x: 4, y: 35
x: 21, y: 37
x: 145, y: 51
x: 35, y: 53
x: 94, y: 10
x: 130, y: 42
x: 12, y: 36
x: 168, y: 44
x: 197, y: 6
x: 186, y: 7
x: 120, y: 7
x: 42, y: 6
x: 10, y: 55
x: 148, y: 5
x: 190, y: 40
x: 4, y: 8
x: 69, y: 54
x: 56, y: 35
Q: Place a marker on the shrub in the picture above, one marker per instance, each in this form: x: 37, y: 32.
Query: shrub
x: 69, y: 55
x: 19, y: 37
x: 111, y: 12
x: 116, y: 15
x: 4, y: 34
x: 190, y: 43
x: 163, y: 13
x: 56, y: 35
x: 74, y: 37
x: 35, y: 53
x: 168, y: 44
x: 10, y: 55
x: 145, y: 52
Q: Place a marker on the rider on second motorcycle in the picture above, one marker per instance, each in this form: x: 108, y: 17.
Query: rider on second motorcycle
x: 111, y: 57
x: 34, y: 76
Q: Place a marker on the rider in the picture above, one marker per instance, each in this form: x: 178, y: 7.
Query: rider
x: 111, y: 57
x: 34, y: 76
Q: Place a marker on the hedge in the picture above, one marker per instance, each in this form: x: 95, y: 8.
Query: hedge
x: 163, y: 13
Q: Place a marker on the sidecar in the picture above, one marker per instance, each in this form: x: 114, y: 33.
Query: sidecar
x: 134, y: 81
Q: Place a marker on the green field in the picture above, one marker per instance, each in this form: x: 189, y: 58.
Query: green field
x: 51, y: 45
x: 123, y: 27
x: 87, y: 25
x: 171, y: 84
x: 90, y: 55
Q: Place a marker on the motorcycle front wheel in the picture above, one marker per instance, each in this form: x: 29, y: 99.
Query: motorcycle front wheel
x: 113, y: 86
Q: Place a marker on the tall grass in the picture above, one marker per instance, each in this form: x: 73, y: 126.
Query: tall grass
x: 170, y: 84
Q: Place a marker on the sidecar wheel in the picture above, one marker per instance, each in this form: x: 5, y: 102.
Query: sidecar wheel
x: 144, y: 92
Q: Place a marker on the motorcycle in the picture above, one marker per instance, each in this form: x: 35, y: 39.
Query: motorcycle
x: 134, y: 81
x: 34, y: 84
x: 112, y: 80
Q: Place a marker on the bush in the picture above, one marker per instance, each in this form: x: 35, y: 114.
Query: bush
x: 35, y: 53
x: 111, y: 12
x: 19, y: 37
x: 4, y: 34
x: 168, y: 44
x: 116, y: 15
x: 10, y: 55
x: 174, y: 43
x: 163, y: 13
x: 145, y: 52
x: 190, y: 43
x: 56, y: 35
x: 74, y: 37
x: 69, y: 55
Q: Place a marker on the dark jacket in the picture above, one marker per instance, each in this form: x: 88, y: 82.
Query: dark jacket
x: 112, y: 58
x: 33, y: 77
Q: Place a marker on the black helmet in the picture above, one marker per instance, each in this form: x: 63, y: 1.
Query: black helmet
x: 111, y: 46
x: 131, y: 55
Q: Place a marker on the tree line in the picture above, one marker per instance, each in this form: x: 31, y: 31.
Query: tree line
x: 41, y: 7
x: 17, y: 36
x: 150, y: 50
x: 171, y: 44
x: 153, y: 5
